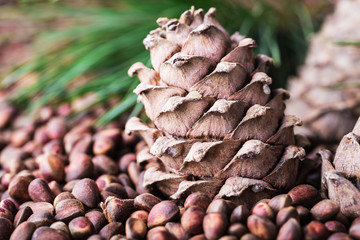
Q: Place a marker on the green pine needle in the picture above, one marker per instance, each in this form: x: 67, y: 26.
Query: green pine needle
x: 103, y: 42
x: 345, y: 43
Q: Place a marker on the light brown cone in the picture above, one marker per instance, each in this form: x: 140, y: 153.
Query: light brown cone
x: 326, y: 95
x: 341, y: 178
x: 219, y: 129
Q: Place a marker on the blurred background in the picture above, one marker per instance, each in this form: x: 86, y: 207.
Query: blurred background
x: 78, y: 52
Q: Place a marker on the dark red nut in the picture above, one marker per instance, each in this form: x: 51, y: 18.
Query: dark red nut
x: 40, y: 135
x: 45, y: 113
x: 6, y: 179
x: 52, y: 167
x: 335, y: 226
x: 340, y: 236
x: 117, y: 189
x: 117, y: 210
x: 103, y: 145
x: 285, y: 214
x: 62, y: 196
x: 305, y: 195
x: 60, y: 226
x: 81, y: 147
x: 125, y: 160
x: 316, y: 230
x: 262, y: 209
x: 64, y: 110
x: 6, y: 228
x: 54, y: 147
x: 30, y: 163
x: 304, y: 214
x: 68, y: 187
x: 237, y: 229
x: 19, y: 137
x: 24, y: 231
x: 146, y: 201
x: 354, y: 230
x: 125, y: 180
x: 105, y: 180
x: 105, y: 194
x: 162, y: 213
x: 4, y: 213
x: 80, y: 167
x: 56, y: 127
x: 290, y: 230
x: 96, y: 237
x: 41, y: 218
x: 112, y: 229
x: 176, y: 230
x: 134, y: 172
x: 68, y: 209
x: 9, y: 205
x: 214, y: 225
x: 240, y: 214
x: 81, y: 228
x: 18, y: 188
x: 87, y: 192
x: 192, y: 219
x: 111, y: 132
x: 12, y: 159
x: 140, y: 186
x: 228, y: 237
x: 249, y: 236
x: 261, y: 227
x: 197, y: 199
x: 97, y: 218
x: 37, y: 174
x: 48, y: 233
x: 55, y: 188
x: 132, y: 194
x: 104, y: 165
x: 6, y: 113
x: 159, y: 233
x: 128, y: 139
x: 22, y: 215
x: 135, y: 228
x: 39, y: 191
x: 218, y: 206
x: 39, y: 206
x: 140, y: 214
x: 343, y: 219
x: 198, y: 237
x: 280, y: 201
x: 324, y: 210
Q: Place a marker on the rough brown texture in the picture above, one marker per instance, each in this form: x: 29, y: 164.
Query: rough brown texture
x: 219, y: 129
x: 326, y: 95
x: 341, y: 176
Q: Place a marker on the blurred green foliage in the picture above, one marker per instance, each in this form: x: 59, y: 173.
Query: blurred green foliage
x: 357, y: 44
x: 98, y: 44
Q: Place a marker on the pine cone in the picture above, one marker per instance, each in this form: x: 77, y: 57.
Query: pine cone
x: 326, y: 95
x: 341, y: 178
x: 218, y: 127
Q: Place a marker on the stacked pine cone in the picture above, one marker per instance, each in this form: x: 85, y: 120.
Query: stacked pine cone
x: 326, y: 95
x: 218, y: 128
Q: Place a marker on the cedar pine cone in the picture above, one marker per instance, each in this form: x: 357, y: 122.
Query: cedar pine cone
x: 326, y: 95
x: 341, y: 177
x: 219, y: 129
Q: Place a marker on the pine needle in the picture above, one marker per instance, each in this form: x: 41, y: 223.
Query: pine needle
x: 102, y: 42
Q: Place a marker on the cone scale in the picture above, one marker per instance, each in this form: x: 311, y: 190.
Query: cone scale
x: 218, y: 128
x: 326, y: 94
x: 341, y: 173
